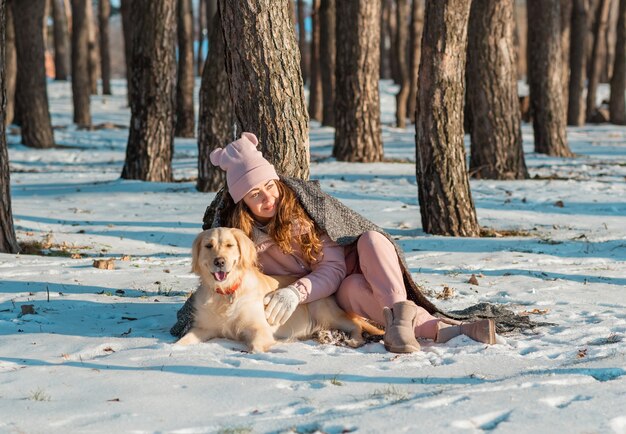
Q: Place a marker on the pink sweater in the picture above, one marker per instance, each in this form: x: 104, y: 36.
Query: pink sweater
x: 317, y: 280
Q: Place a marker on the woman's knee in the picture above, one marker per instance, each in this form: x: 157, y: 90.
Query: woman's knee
x: 373, y: 241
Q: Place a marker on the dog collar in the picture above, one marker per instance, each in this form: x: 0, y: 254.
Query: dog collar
x: 228, y: 291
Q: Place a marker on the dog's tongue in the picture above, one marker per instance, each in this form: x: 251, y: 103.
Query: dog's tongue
x: 220, y: 276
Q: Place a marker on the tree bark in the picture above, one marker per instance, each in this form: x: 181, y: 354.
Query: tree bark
x: 402, y: 11
x: 544, y: 78
x: 617, y: 100
x: 446, y: 204
x: 185, y: 117
x: 152, y: 103
x: 125, y: 9
x: 10, y: 65
x: 61, y: 41
x: 94, y: 57
x: 520, y: 39
x: 392, y: 26
x: 31, y: 89
x: 316, y: 104
x: 81, y: 86
x: 267, y: 90
x: 496, y: 136
x: 8, y: 241
x: 201, y: 36
x: 578, y: 63
x: 415, y: 41
x: 327, y: 60
x: 216, y: 113
x: 304, y: 57
x: 385, y: 40
x: 598, y: 52
x: 104, y: 11
x: 566, y: 36
x: 357, y: 100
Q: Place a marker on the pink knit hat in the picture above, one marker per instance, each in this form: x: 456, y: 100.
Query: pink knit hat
x: 244, y: 165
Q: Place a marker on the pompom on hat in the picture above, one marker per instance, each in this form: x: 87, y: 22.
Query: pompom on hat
x: 244, y: 165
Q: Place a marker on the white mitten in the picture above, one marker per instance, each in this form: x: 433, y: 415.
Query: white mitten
x: 280, y: 304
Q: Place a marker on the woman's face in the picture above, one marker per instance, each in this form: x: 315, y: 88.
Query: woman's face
x: 263, y: 200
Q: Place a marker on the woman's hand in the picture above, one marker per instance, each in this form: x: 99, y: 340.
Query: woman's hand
x: 280, y: 304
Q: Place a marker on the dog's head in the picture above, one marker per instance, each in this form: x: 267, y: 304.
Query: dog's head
x: 218, y: 252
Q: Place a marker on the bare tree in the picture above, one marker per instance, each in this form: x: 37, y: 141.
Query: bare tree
x: 201, y: 32
x: 216, y: 113
x: 400, y: 49
x: 10, y: 65
x: 304, y: 57
x: 31, y: 88
x: 618, y: 80
x: 566, y: 36
x: 61, y: 40
x: 267, y: 90
x: 578, y: 63
x: 415, y: 45
x: 357, y: 101
x: 81, y: 87
x: 598, y: 52
x: 316, y: 103
x: 544, y: 78
x: 127, y: 26
x: 8, y: 242
x: 104, y: 11
x: 94, y: 57
x: 385, y: 39
x: 327, y: 60
x: 185, y: 117
x: 152, y: 100
x: 520, y: 39
x: 446, y: 204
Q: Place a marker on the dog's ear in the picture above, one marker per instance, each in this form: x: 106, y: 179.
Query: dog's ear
x: 195, y: 252
x: 247, y: 249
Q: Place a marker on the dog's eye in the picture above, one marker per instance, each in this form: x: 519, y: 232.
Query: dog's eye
x: 209, y: 246
x: 230, y: 245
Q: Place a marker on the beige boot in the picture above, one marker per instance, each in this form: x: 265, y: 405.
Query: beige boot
x: 400, y: 327
x: 483, y: 330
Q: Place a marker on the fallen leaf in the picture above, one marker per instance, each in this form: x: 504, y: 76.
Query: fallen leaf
x: 104, y: 264
x: 582, y: 353
x: 76, y: 256
x: 125, y: 258
x: 446, y: 293
x: 473, y: 280
x: 535, y: 312
x: 28, y: 309
x: 108, y: 350
x: 559, y: 204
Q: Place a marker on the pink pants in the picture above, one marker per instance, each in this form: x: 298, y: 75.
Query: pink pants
x: 375, y: 280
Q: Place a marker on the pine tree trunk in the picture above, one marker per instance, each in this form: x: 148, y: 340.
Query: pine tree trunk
x: 216, y: 113
x: 415, y: 45
x: 520, y: 40
x: 93, y: 58
x: 201, y: 33
x: 578, y: 63
x: 496, y: 136
x: 31, y: 89
x: 80, y: 64
x: 61, y: 40
x: 152, y: 103
x: 357, y: 100
x: 267, y: 90
x: 402, y: 11
x: 598, y: 52
x: 304, y: 57
x: 104, y: 11
x: 315, y: 82
x: 327, y: 60
x: 544, y: 78
x: 385, y: 42
x: 445, y: 200
x: 566, y: 35
x: 185, y: 117
x: 125, y: 9
x: 617, y: 100
x: 8, y: 242
x: 10, y: 65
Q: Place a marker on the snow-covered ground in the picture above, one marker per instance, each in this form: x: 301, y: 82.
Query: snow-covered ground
x: 88, y: 350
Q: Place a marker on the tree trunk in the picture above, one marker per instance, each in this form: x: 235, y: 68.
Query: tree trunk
x: 315, y: 82
x: 267, y: 90
x: 93, y: 58
x: 544, y: 78
x: 357, y: 101
x: 80, y: 64
x: 304, y: 57
x: 152, y: 102
x: 185, y: 117
x: 104, y: 11
x: 61, y: 40
x: 402, y: 11
x: 578, y: 63
x: 385, y: 42
x: 8, y: 242
x: 597, y: 55
x: 327, y: 60
x: 445, y: 200
x: 31, y: 89
x: 520, y: 39
x: 415, y: 45
x: 216, y: 116
x: 10, y: 65
x: 392, y: 25
x: 496, y: 136
x: 201, y: 33
x: 566, y: 35
x: 125, y: 9
x: 617, y: 100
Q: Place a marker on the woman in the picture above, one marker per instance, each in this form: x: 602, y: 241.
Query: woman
x: 299, y: 230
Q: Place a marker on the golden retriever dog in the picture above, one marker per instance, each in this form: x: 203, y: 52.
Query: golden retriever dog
x: 229, y: 301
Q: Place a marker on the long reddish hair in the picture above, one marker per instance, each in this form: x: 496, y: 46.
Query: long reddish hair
x: 289, y: 223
